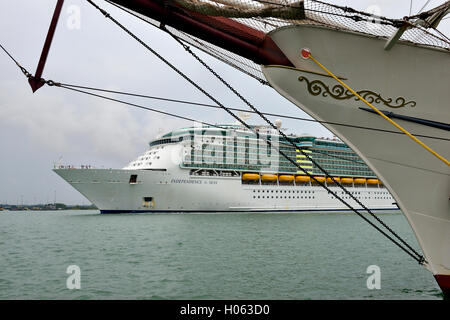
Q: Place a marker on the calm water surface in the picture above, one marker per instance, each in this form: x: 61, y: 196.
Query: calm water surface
x: 205, y: 256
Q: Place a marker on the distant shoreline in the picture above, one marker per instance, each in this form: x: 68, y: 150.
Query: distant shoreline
x: 45, y: 207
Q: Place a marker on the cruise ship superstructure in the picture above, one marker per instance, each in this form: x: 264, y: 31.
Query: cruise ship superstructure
x: 228, y: 169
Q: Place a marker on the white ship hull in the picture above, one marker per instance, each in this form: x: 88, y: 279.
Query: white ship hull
x: 419, y: 181
x: 176, y: 191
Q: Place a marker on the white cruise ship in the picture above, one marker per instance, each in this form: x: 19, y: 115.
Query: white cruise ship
x: 227, y: 168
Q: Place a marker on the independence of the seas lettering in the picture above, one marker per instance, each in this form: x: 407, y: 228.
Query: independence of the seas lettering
x: 227, y: 309
x: 186, y: 181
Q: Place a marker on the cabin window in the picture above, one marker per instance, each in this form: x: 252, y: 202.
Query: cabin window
x: 133, y: 179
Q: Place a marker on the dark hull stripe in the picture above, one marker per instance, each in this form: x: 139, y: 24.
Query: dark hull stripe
x: 231, y: 211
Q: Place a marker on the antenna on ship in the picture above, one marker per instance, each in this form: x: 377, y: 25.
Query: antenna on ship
x: 160, y: 132
x: 58, y: 162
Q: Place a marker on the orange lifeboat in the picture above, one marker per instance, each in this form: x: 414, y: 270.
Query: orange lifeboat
x: 269, y: 177
x: 360, y: 180
x: 302, y: 179
x: 286, y: 178
x: 250, y: 176
x: 347, y: 180
x: 373, y: 181
x: 319, y: 179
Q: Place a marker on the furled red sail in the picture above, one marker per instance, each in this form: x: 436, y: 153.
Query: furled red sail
x: 238, y: 31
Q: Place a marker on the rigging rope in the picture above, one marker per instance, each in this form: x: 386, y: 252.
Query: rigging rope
x: 206, y: 105
x: 24, y: 71
x: 413, y: 253
x: 70, y: 86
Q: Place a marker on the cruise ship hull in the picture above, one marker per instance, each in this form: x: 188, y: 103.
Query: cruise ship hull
x: 417, y: 179
x: 176, y: 191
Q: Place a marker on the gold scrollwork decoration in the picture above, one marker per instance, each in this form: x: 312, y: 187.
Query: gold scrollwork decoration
x: 317, y: 87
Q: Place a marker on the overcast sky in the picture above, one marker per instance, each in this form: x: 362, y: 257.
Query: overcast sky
x: 37, y: 129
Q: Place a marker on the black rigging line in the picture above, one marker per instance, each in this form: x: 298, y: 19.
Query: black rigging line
x: 24, y: 71
x: 198, y: 104
x: 77, y: 89
x: 418, y: 257
x: 136, y: 105
x: 426, y: 3
x: 10, y: 56
x: 64, y: 86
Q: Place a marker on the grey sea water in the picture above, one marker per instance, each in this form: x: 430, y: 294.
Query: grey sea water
x: 205, y: 256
